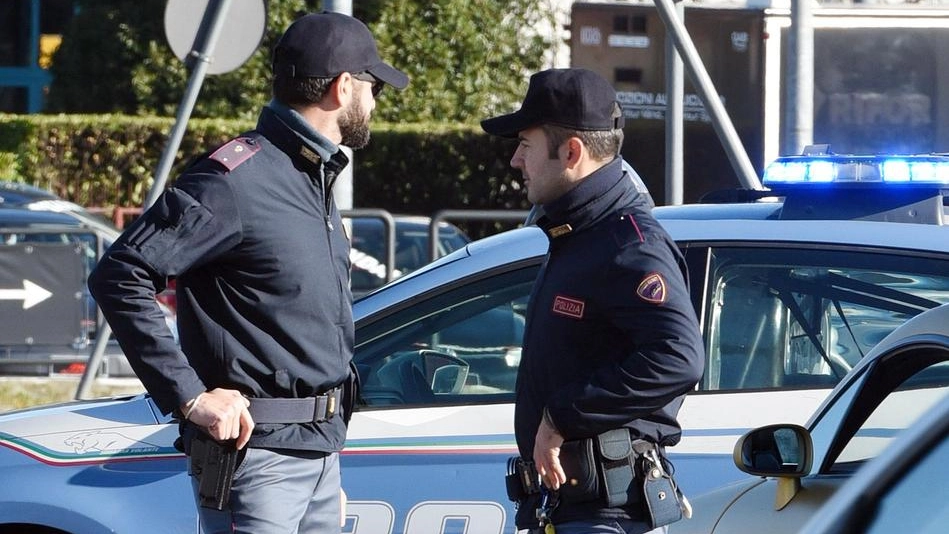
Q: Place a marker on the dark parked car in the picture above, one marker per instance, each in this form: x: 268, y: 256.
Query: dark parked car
x: 412, y: 248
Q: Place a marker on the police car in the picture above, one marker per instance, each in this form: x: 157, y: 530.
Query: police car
x: 793, y: 287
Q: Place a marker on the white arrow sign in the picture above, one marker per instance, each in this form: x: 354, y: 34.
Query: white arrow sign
x: 31, y: 294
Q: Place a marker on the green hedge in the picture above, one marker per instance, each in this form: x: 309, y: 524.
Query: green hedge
x: 109, y: 160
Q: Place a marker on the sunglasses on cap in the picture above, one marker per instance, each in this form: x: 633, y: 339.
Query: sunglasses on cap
x: 377, y: 84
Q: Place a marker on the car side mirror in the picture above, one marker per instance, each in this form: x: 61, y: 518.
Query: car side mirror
x: 449, y: 379
x: 775, y: 451
x: 784, y: 451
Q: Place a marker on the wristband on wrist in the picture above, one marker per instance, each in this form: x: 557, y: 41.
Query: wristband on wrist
x: 190, y: 406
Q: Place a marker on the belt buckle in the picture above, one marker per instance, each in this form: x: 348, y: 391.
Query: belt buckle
x: 325, y: 405
x: 331, y: 402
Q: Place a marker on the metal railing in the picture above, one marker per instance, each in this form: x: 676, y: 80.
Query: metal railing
x: 388, y: 225
x: 468, y: 215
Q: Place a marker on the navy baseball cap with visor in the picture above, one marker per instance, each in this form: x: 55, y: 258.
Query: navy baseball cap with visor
x: 325, y: 45
x: 578, y: 99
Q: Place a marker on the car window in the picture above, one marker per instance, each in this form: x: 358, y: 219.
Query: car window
x: 922, y: 488
x: 798, y: 318
x: 87, y: 240
x: 898, y: 392
x: 457, y: 347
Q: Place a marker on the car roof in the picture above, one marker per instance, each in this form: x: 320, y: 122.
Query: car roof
x: 21, y: 217
x: 28, y: 198
x: 17, y: 194
x: 730, y: 224
x: 403, y: 223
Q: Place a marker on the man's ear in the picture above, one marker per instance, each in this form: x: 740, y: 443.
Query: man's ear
x: 574, y: 151
x: 341, y: 90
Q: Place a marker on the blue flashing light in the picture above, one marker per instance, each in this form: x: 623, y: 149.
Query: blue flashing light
x: 896, y: 170
x: 930, y: 170
x: 822, y: 171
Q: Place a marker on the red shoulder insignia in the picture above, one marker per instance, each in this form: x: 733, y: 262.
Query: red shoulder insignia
x: 235, y: 152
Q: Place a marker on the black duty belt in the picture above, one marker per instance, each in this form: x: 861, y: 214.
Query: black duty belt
x: 308, y: 410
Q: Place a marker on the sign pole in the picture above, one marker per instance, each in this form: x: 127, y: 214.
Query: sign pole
x: 200, y: 57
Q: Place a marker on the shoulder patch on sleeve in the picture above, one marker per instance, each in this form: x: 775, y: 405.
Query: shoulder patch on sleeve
x: 235, y: 152
x: 652, y: 288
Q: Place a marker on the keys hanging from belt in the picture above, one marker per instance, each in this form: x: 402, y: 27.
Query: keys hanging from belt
x: 548, y: 503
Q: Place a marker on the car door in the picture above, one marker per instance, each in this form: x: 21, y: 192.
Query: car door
x: 428, y: 449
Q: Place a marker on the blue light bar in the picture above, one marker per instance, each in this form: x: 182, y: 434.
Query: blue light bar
x: 929, y: 169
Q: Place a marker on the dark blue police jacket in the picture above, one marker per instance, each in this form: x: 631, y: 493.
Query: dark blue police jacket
x: 255, y: 242
x: 612, y: 339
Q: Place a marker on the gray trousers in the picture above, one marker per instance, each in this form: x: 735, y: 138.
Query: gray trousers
x: 278, y: 493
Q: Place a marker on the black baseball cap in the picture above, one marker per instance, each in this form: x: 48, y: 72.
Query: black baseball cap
x: 325, y: 45
x: 579, y: 99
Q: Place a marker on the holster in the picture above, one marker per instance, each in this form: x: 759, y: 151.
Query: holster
x: 212, y: 464
x: 600, y: 468
x: 521, y: 480
x: 351, y: 392
x: 618, y: 467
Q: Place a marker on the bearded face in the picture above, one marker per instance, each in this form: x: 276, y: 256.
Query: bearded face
x: 354, y: 125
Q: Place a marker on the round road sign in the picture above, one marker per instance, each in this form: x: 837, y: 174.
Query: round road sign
x: 240, y: 35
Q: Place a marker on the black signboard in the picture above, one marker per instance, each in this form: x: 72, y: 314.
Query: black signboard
x: 43, y: 300
x: 877, y: 90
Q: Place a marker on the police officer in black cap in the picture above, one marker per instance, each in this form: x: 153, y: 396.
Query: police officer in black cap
x: 256, y: 244
x: 612, y: 344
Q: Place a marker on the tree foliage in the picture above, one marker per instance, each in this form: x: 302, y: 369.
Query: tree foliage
x: 115, y: 59
x: 92, y: 69
x: 467, y: 59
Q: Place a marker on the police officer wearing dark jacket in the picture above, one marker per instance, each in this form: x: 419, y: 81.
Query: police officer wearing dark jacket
x: 255, y: 242
x: 612, y: 341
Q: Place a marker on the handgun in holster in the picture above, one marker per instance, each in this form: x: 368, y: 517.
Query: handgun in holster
x: 213, y: 464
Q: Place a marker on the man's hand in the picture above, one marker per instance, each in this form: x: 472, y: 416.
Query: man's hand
x: 547, y: 455
x: 223, y: 413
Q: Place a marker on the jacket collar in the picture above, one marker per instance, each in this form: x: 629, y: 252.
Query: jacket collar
x: 589, y: 202
x: 290, y: 132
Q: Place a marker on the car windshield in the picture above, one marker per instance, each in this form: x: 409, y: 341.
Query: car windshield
x: 869, y: 414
